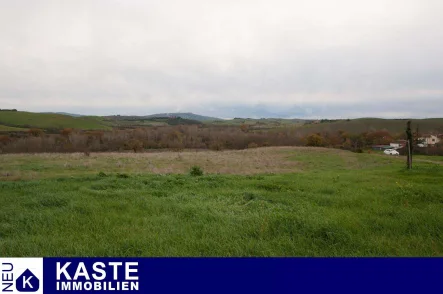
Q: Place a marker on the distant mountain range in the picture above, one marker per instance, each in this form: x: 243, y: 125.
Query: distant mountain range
x: 185, y: 115
x: 65, y: 113
x: 15, y: 120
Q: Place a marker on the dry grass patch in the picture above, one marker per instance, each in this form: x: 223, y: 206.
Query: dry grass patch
x: 249, y: 161
x: 241, y: 162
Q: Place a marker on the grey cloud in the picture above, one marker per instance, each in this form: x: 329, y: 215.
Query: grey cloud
x: 223, y: 58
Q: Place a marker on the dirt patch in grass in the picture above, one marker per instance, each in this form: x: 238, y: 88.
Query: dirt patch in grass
x: 250, y: 161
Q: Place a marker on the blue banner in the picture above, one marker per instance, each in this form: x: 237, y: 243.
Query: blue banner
x: 221, y: 275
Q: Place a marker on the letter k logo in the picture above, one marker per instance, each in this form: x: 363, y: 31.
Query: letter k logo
x: 27, y: 282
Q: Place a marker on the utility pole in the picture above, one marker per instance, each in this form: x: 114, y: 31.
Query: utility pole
x: 409, y: 145
x: 417, y: 136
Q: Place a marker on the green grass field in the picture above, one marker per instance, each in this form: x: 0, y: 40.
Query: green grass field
x: 360, y: 125
x: 26, y: 120
x: 287, y: 202
x: 263, y: 122
x: 429, y: 158
x: 11, y: 129
x: 49, y: 121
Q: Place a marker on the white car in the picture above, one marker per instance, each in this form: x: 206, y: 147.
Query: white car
x: 391, y: 152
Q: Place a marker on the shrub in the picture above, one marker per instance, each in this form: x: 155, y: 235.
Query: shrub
x: 5, y: 140
x: 102, y: 174
x: 244, y: 128
x: 434, y: 150
x: 196, y: 171
x: 35, y: 132
x: 315, y: 140
x: 134, y: 145
x: 252, y: 145
x: 66, y: 132
x: 216, y: 146
x: 122, y: 176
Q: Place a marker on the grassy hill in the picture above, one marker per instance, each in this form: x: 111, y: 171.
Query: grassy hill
x: 66, y: 113
x: 11, y: 129
x: 360, y: 125
x: 142, y: 121
x: 260, y: 123
x: 21, y: 119
x: 184, y: 115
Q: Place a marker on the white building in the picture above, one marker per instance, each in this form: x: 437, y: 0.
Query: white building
x: 429, y: 140
x: 398, y: 144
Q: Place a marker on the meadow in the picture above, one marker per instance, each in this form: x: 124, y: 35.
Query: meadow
x: 11, y: 129
x: 53, y: 121
x: 22, y: 119
x: 275, y: 201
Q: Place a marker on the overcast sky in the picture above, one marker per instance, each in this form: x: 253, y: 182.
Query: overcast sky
x: 226, y: 58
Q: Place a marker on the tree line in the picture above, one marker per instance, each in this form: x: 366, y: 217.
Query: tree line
x: 190, y: 137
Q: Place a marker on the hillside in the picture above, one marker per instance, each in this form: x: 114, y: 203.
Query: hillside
x: 11, y: 129
x: 65, y: 113
x: 261, y: 123
x: 360, y: 125
x: 49, y: 121
x: 184, y: 115
x: 21, y: 121
x: 129, y: 122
